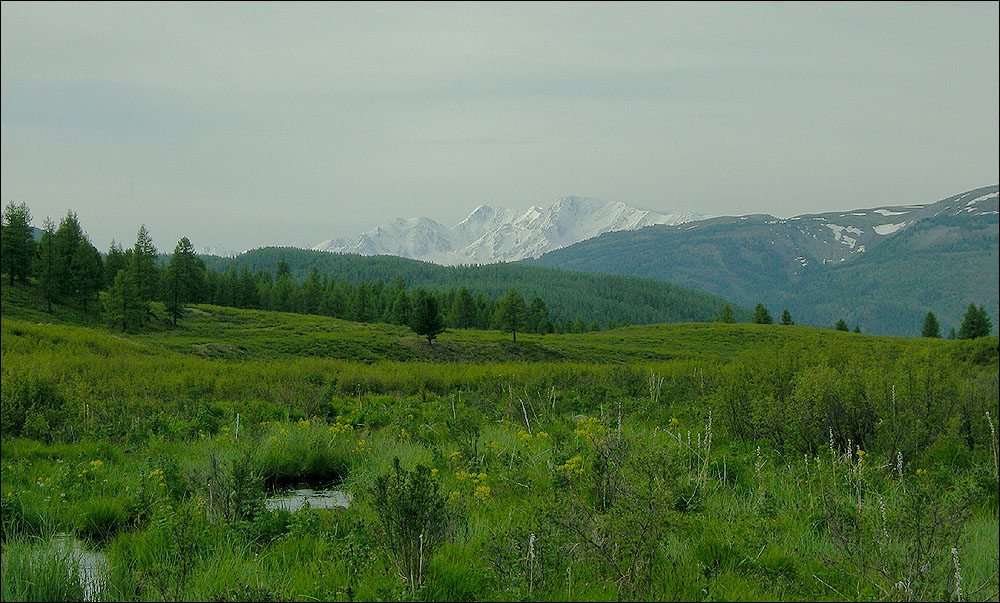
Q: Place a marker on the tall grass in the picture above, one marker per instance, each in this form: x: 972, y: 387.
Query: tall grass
x: 37, y: 570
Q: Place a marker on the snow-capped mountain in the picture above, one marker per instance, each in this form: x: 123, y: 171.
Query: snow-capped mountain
x: 492, y: 234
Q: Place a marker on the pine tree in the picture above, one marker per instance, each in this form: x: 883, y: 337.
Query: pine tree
x: 786, y: 318
x: 400, y: 313
x: 761, y: 316
x: 184, y: 279
x: 726, y: 315
x: 857, y: 329
x: 17, y: 242
x: 931, y: 327
x: 841, y: 325
x: 427, y: 320
x: 975, y: 323
x: 463, y: 310
x: 116, y: 259
x: 511, y: 311
x: 68, y: 237
x: 312, y: 292
x: 87, y: 271
x: 122, y: 307
x: 144, y: 270
x: 48, y: 259
x: 536, y: 316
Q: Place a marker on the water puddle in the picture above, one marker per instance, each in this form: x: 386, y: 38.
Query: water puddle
x: 315, y: 499
x: 91, y: 564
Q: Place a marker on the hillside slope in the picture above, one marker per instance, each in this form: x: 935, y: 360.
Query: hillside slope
x: 882, y: 268
x: 567, y: 294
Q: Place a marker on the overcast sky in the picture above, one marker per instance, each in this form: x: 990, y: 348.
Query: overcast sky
x: 246, y: 125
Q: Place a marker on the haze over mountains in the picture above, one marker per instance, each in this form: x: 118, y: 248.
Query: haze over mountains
x: 881, y: 268
x: 492, y: 234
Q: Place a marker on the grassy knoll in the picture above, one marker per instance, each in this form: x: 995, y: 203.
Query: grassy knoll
x: 669, y: 462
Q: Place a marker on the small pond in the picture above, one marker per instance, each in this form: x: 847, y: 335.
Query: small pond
x: 90, y: 563
x: 295, y: 500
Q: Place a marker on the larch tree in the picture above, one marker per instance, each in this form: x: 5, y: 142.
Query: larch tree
x: 511, y: 312
x: 931, y: 327
x: 17, y: 242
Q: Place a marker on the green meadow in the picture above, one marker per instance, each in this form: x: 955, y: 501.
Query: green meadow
x: 686, y: 462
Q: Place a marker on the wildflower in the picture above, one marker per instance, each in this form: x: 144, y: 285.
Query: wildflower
x: 958, y: 574
x: 571, y: 466
x: 921, y: 472
x: 482, y: 492
x: 673, y: 422
x: 434, y: 471
x: 454, y: 455
x: 96, y: 464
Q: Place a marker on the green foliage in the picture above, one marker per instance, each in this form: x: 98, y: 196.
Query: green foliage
x: 931, y: 327
x: 413, y: 519
x: 38, y: 571
x: 123, y: 308
x: 761, y: 316
x: 841, y: 325
x: 975, y: 323
x: 631, y: 500
x: 511, y: 313
x: 17, y: 242
x: 427, y: 320
x: 144, y: 269
x: 184, y: 279
x: 786, y: 318
x: 304, y: 452
x: 726, y: 315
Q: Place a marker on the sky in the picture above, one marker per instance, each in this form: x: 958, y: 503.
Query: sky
x: 242, y: 125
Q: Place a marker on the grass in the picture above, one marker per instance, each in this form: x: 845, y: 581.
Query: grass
x: 159, y: 447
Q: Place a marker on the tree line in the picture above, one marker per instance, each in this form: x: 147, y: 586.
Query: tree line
x: 975, y: 323
x: 124, y: 282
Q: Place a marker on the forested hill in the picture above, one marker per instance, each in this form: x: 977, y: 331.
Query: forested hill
x: 606, y: 299
x: 883, y: 268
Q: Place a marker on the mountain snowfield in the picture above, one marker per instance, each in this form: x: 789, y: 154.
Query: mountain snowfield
x: 493, y: 234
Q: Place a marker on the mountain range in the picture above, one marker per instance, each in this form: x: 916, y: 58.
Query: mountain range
x: 882, y: 268
x: 491, y: 234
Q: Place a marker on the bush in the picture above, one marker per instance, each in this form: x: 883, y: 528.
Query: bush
x: 413, y: 519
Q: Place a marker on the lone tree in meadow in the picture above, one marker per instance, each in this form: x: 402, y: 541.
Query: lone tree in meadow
x: 427, y: 320
x: 931, y: 326
x: 511, y: 311
x: 841, y: 325
x: 786, y: 318
x: 184, y: 280
x: 975, y: 323
x: 761, y: 316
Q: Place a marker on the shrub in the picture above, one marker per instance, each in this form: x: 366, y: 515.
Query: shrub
x: 413, y: 519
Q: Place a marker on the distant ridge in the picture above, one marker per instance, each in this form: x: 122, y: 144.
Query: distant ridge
x: 493, y: 234
x: 882, y: 268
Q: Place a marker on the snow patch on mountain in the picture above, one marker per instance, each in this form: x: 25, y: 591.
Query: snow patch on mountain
x: 888, y: 229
